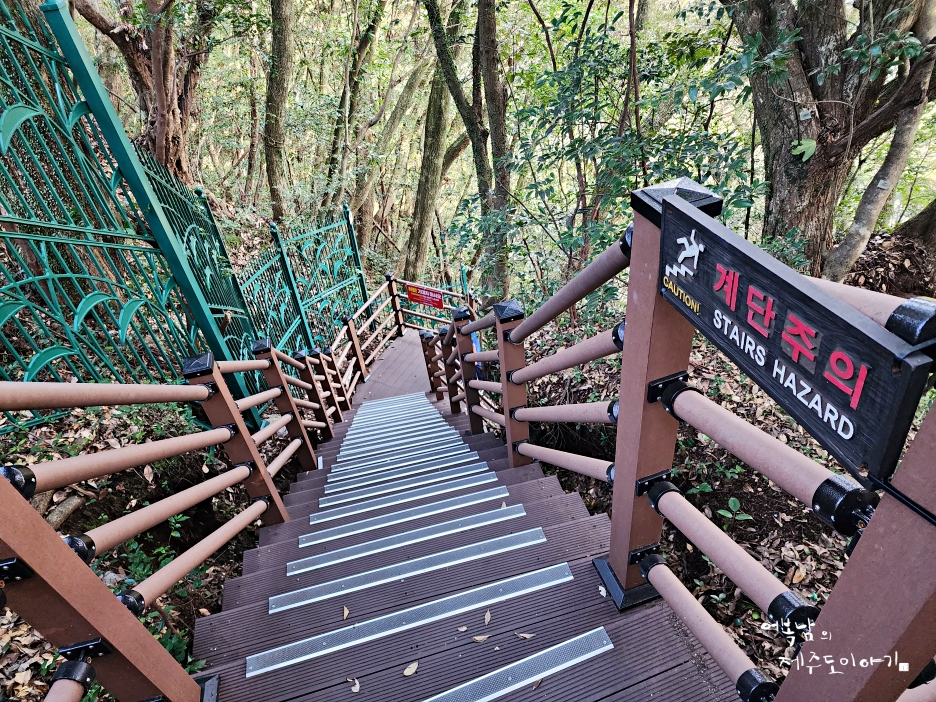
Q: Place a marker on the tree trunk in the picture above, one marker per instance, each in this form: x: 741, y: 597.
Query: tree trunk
x: 274, y: 132
x: 253, y: 150
x: 840, y: 260
x: 921, y: 226
x: 495, y: 94
x: 365, y: 181
x: 438, y: 116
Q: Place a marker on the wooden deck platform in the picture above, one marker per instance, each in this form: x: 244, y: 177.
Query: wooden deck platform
x: 418, y: 550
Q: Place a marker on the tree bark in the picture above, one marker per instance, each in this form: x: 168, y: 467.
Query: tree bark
x: 921, y: 226
x: 274, y: 132
x: 365, y: 181
x: 253, y: 149
x: 841, y: 259
x: 438, y: 116
x: 495, y: 94
x: 164, y: 69
x: 841, y: 112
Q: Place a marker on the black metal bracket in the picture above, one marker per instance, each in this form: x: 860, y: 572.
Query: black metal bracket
x: 76, y: 671
x: 656, y: 387
x: 644, y: 484
x: 14, y: 569
x: 230, y: 427
x: 514, y: 409
x: 634, y: 557
x: 249, y: 465
x: 517, y: 443
x: 212, y: 388
x: 95, y: 648
x: 906, y: 501
x: 623, y: 599
x: 21, y: 478
x: 266, y: 499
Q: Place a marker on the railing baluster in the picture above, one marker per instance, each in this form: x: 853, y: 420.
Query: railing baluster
x: 393, y: 291
x: 460, y: 319
x: 508, y: 315
x: 221, y: 412
x: 314, y: 393
x: 446, y: 341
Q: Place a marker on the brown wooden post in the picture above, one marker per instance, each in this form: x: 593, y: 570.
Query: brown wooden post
x: 392, y: 290
x: 657, y: 342
x: 69, y: 604
x: 356, y: 348
x: 450, y: 371
x: 263, y: 349
x: 331, y: 392
x: 334, y: 379
x: 511, y: 357
x: 432, y: 367
x: 307, y: 375
x: 222, y: 411
x: 461, y: 317
x: 883, y: 606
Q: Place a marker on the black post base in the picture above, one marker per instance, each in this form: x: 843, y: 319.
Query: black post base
x: 623, y: 599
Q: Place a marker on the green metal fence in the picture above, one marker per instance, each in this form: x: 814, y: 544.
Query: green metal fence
x: 84, y: 292
x: 111, y: 269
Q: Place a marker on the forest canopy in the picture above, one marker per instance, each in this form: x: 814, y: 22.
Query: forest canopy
x: 501, y: 141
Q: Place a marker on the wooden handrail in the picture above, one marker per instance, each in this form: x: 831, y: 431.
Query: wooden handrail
x: 592, y: 467
x: 34, y: 396
x: 270, y: 429
x: 484, y: 323
x: 585, y: 412
x: 277, y: 463
x: 482, y: 357
x: 603, y: 268
x: 242, y: 366
x: 422, y: 315
x: 376, y: 314
x: 487, y: 414
x: 258, y: 399
x: 486, y: 386
x: 371, y: 300
x: 288, y: 360
x: 68, y: 471
x: 606, y: 343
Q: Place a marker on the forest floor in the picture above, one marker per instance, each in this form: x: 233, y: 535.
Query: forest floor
x: 780, y: 532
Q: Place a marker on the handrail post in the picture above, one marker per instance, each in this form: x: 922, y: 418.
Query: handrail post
x: 461, y: 317
x: 263, y: 349
x: 896, y: 554
x: 450, y: 371
x: 221, y: 411
x: 329, y: 364
x: 356, y: 347
x: 656, y: 345
x: 69, y: 604
x: 330, y: 394
x: 428, y: 349
x: 511, y: 357
x: 307, y: 375
x: 395, y: 303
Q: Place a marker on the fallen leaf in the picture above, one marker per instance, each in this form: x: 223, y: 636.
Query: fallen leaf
x: 463, y: 628
x: 148, y: 473
x: 799, y: 575
x: 525, y: 636
x: 497, y: 648
x: 204, y: 612
x: 503, y: 504
x: 346, y: 613
x: 487, y: 617
x: 356, y: 687
x: 602, y: 591
x: 411, y: 668
x: 537, y: 683
x: 480, y: 639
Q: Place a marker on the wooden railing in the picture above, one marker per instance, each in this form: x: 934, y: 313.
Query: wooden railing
x: 46, y: 578
x: 885, y: 599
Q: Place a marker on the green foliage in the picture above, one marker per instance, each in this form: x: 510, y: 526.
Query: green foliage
x: 734, y: 511
x: 805, y: 148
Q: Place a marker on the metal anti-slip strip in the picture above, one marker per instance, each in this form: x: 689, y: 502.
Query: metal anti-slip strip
x: 405, y: 515
x: 390, y: 457
x: 407, y: 538
x: 403, y: 461
x: 410, y: 618
x: 403, y: 497
x: 392, y: 428
x: 410, y: 436
x: 407, y: 569
x: 525, y: 672
x: 381, y: 451
x: 396, y: 485
x: 455, y: 460
x: 381, y: 476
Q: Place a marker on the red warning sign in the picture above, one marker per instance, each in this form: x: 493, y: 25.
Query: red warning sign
x: 424, y: 296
